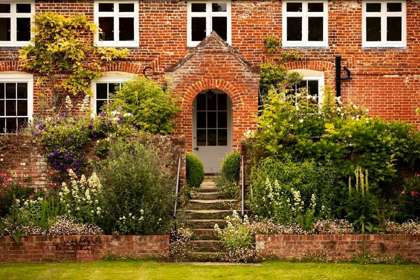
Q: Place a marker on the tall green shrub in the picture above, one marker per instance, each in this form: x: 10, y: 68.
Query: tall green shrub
x: 231, y: 166
x: 195, y: 171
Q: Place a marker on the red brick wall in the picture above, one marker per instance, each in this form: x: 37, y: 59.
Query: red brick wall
x: 82, y: 247
x: 339, y: 247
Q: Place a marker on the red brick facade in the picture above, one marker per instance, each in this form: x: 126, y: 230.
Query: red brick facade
x: 384, y: 80
x: 83, y: 247
x: 340, y: 247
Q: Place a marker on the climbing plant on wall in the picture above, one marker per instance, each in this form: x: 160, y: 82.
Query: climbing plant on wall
x: 63, y: 45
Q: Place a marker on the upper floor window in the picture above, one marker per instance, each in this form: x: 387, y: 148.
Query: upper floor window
x: 15, y: 101
x: 105, y: 87
x: 205, y: 17
x: 384, y: 24
x: 15, y: 23
x: 305, y: 23
x: 118, y: 22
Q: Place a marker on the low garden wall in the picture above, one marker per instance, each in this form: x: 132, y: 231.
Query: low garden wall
x: 339, y: 247
x: 82, y: 247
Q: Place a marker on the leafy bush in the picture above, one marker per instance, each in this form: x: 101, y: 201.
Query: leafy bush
x: 228, y: 188
x: 231, y: 167
x: 137, y: 194
x: 275, y: 77
x: 237, y: 239
x: 9, y: 195
x: 195, y: 171
x: 146, y: 105
x: 409, y: 201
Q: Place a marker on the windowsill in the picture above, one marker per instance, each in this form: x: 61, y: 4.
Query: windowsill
x: 4, y: 44
x: 384, y: 46
x: 117, y: 44
x: 304, y: 46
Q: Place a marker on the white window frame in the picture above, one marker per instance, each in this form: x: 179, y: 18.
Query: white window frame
x: 208, y: 15
x: 116, y: 15
x: 108, y: 77
x: 304, y: 15
x: 383, y: 14
x: 313, y: 75
x: 13, y: 15
x: 20, y: 77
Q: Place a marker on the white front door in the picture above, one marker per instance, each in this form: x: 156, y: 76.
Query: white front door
x: 212, y: 129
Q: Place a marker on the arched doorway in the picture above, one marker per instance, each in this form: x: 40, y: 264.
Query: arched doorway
x: 212, y: 128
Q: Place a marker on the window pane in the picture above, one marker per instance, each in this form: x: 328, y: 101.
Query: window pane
x: 211, y: 137
x: 10, y: 108
x: 11, y: 125
x: 201, y: 120
x: 220, y: 26
x: 126, y: 29
x: 313, y: 87
x: 211, y: 120
x: 211, y: 101
x: 22, y: 108
x: 315, y: 7
x: 198, y: 7
x: 219, y: 7
x: 101, y: 91
x: 394, y: 7
x: 201, y: 137
x: 373, y: 7
x: 126, y: 8
x: 1, y: 107
x: 294, y: 29
x: 22, y: 90
x: 11, y: 91
x: 198, y: 28
x: 23, y: 29
x: 394, y: 29
x: 2, y: 125
x: 222, y: 137
x: 222, y: 101
x: 201, y: 102
x: 4, y: 8
x: 106, y: 7
x: 1, y: 91
x: 22, y: 123
x: 373, y: 29
x: 222, y: 120
x: 294, y: 7
x: 315, y: 29
x: 99, y: 105
x: 106, y: 24
x: 4, y: 29
x: 23, y: 8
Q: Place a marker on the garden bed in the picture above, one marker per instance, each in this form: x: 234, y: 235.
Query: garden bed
x: 339, y: 247
x: 83, y: 247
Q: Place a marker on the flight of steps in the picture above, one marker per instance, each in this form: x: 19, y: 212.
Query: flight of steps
x: 207, y: 208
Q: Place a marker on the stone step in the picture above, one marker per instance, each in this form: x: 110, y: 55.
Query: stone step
x: 206, y: 246
x: 206, y: 214
x: 204, y: 256
x: 204, y: 234
x: 205, y: 223
x: 207, y: 195
x: 212, y: 204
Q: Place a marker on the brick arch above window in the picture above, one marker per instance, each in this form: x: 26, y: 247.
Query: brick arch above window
x: 11, y: 65
x: 324, y: 66
x: 126, y: 66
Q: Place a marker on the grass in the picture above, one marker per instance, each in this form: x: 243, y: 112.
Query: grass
x: 119, y: 270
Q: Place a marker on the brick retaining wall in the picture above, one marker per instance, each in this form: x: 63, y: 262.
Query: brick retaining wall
x: 82, y: 247
x: 339, y: 247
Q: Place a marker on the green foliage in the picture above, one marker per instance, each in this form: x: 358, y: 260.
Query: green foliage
x: 146, y: 105
x: 195, y: 171
x: 271, y: 43
x: 8, y: 196
x: 230, y: 189
x: 231, y: 166
x: 409, y: 200
x: 58, y: 47
x: 362, y: 211
x: 137, y: 194
x: 275, y: 77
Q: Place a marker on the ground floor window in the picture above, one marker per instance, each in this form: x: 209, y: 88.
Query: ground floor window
x: 15, y: 102
x: 312, y: 81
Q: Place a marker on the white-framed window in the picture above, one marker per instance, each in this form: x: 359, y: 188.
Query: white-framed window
x: 118, y: 23
x: 105, y: 87
x: 305, y: 23
x: 312, y: 81
x: 384, y: 24
x: 205, y: 17
x: 16, y: 101
x: 15, y: 23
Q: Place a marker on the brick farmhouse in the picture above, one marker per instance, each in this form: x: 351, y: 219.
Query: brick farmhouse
x: 209, y: 52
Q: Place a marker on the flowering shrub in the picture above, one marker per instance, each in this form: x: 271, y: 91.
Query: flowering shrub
x: 64, y: 225
x: 180, y: 243
x: 82, y: 198
x: 269, y: 227
x: 131, y: 223
x: 237, y: 239
x: 338, y: 226
x: 410, y: 227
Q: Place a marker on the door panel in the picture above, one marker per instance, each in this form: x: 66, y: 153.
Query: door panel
x: 212, y: 129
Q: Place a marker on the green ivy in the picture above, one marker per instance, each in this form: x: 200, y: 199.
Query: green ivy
x: 62, y: 45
